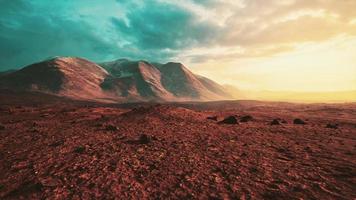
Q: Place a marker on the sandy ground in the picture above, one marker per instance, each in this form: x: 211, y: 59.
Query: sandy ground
x: 65, y: 150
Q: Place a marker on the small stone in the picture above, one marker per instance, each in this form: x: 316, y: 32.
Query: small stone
x: 253, y: 169
x: 144, y: 139
x: 49, y: 182
x: 333, y: 126
x: 20, y: 165
x: 111, y: 128
x: 215, y: 118
x: 56, y: 143
x: 79, y: 149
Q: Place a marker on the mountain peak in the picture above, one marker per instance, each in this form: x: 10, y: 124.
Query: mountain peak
x: 174, y: 63
x: 122, y: 60
x: 58, y: 58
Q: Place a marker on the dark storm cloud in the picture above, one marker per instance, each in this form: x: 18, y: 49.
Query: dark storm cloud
x: 158, y: 26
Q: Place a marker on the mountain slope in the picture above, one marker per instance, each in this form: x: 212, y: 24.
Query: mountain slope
x: 171, y: 81
x: 135, y: 80
x: 71, y: 77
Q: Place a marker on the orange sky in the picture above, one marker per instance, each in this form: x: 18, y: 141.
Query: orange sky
x: 299, y: 46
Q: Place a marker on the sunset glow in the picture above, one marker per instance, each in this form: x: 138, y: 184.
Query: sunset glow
x: 325, y: 66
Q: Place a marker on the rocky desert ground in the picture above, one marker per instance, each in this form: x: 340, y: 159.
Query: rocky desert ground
x: 52, y: 148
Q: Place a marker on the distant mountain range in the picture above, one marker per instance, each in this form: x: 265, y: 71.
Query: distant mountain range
x: 117, y: 81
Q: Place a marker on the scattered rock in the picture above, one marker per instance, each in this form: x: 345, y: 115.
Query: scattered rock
x: 34, y: 130
x: 275, y: 122
x: 215, y: 118
x: 49, y: 181
x: 110, y: 128
x: 253, y: 169
x: 45, y: 115
x: 298, y: 121
x: 104, y: 117
x: 20, y: 165
x: 79, y: 149
x: 246, y: 118
x: 229, y: 120
x: 98, y: 125
x: 56, y: 143
x: 334, y: 126
x: 144, y: 139
x: 308, y: 149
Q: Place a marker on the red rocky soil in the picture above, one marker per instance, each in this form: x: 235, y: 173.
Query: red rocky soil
x: 67, y: 150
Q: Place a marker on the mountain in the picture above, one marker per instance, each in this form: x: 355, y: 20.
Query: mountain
x: 64, y: 76
x: 117, y: 81
x: 3, y: 73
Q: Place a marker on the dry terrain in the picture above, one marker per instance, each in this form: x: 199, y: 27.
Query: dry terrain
x: 53, y: 148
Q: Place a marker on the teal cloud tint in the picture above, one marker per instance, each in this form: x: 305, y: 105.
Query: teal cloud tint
x: 157, y: 26
x: 33, y: 31
x: 98, y: 30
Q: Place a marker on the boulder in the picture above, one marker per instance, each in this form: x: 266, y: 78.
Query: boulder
x: 275, y: 122
x: 246, y: 118
x: 229, y: 120
x: 298, y: 121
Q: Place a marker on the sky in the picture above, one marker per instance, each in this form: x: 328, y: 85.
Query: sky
x: 260, y: 45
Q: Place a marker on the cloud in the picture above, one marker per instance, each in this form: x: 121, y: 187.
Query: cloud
x: 298, y: 21
x: 229, y: 54
x: 163, y: 30
x: 264, y: 29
